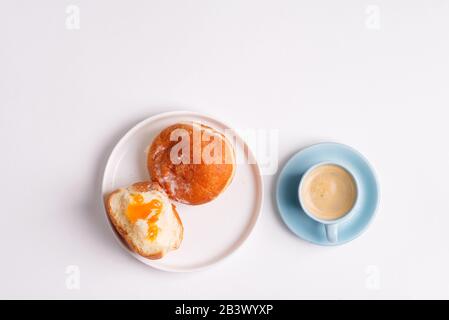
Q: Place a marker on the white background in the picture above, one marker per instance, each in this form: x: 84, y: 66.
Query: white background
x: 316, y: 70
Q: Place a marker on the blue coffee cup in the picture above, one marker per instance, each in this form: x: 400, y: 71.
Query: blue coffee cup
x: 331, y: 226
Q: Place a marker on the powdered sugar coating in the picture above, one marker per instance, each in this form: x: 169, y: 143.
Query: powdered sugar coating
x: 189, y: 182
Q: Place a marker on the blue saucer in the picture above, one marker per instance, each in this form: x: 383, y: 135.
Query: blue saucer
x: 287, y: 192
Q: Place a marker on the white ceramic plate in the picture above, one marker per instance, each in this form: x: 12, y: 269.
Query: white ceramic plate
x: 211, y: 231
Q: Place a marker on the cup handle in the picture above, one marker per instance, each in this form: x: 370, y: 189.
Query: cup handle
x: 332, y: 232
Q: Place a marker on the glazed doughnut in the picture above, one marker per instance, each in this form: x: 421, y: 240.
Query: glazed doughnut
x: 192, y: 162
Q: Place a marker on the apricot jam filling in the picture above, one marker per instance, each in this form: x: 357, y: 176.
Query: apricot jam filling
x: 149, y: 211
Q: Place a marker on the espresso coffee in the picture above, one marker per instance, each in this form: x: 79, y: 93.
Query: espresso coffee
x: 328, y: 192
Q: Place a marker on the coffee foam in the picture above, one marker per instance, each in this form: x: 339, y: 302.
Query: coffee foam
x: 328, y: 192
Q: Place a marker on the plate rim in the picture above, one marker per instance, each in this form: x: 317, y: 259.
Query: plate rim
x: 376, y: 181
x: 257, y: 174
